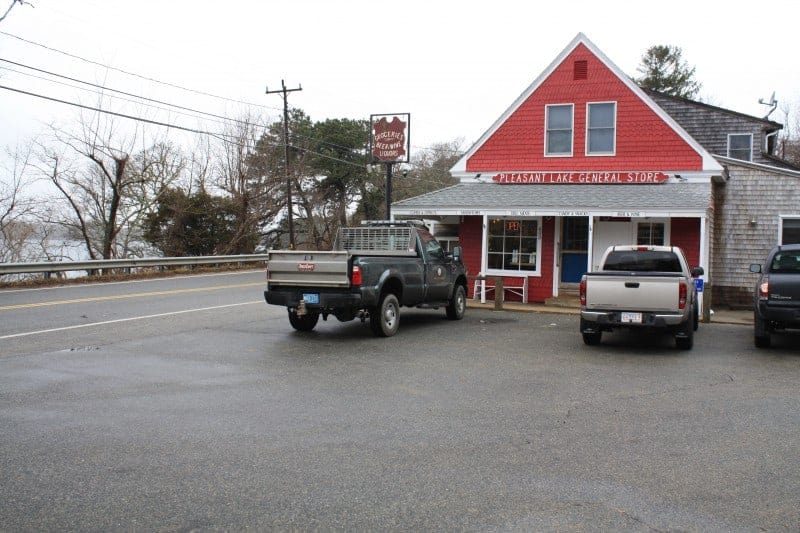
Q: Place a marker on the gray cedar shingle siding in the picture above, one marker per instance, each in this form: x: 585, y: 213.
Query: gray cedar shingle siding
x: 710, y: 126
x: 752, y: 193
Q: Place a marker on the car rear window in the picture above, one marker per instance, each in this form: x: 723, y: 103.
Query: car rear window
x: 787, y: 262
x: 642, y: 261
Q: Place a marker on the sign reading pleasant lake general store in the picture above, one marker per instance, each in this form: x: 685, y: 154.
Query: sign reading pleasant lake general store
x: 588, y: 178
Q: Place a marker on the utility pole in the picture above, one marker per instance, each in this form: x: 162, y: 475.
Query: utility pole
x: 289, y: 201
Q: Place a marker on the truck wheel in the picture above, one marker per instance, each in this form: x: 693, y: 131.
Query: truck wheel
x: 303, y: 322
x: 458, y: 304
x: 591, y: 337
x: 385, y: 319
x: 761, y: 337
x: 686, y: 340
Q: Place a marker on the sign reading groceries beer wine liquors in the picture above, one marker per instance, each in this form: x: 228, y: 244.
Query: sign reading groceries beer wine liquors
x: 389, y: 142
x: 587, y: 177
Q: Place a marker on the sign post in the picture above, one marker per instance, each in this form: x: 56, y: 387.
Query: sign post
x: 389, y: 144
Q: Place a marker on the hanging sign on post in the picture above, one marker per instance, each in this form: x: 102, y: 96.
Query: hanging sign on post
x: 390, y: 139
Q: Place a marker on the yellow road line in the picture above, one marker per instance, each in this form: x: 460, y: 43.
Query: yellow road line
x: 124, y: 296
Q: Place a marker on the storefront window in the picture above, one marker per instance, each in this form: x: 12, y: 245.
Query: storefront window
x: 601, y: 128
x: 651, y: 233
x: 559, y: 130
x: 790, y: 230
x: 513, y: 244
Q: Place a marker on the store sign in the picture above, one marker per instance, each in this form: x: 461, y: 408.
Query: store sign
x: 390, y: 141
x: 581, y: 178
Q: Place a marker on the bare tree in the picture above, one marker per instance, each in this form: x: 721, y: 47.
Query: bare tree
x: 17, y: 227
x: 234, y: 177
x: 789, y: 138
x: 104, y: 189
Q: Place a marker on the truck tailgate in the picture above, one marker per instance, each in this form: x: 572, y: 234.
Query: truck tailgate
x: 308, y: 269
x: 632, y: 293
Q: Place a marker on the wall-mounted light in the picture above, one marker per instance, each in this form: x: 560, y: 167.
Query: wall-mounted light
x: 753, y: 221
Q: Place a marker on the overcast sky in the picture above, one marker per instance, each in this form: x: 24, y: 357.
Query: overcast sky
x: 454, y: 65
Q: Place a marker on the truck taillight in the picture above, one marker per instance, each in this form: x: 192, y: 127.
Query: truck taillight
x: 763, y: 288
x: 356, y: 275
x: 682, y: 296
x: 583, y: 292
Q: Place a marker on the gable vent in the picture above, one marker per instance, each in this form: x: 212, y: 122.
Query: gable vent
x: 581, y: 70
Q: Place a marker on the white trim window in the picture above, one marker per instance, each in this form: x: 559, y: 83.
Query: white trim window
x: 651, y: 233
x: 559, y: 121
x: 514, y: 245
x: 789, y: 229
x: 601, y: 128
x: 740, y: 146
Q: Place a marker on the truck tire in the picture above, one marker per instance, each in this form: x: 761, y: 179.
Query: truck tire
x: 458, y: 304
x: 303, y: 322
x: 385, y: 319
x: 686, y: 340
x: 761, y: 336
x: 590, y: 338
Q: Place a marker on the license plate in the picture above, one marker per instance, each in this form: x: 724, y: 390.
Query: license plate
x: 635, y: 318
x: 311, y: 298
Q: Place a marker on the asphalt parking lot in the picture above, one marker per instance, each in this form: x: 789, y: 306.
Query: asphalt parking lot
x: 229, y: 420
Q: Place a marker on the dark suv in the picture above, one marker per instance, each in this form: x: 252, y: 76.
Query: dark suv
x: 777, y: 293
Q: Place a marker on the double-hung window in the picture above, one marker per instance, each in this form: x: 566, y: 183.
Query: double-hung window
x: 740, y: 146
x: 650, y: 233
x: 558, y: 130
x: 601, y: 127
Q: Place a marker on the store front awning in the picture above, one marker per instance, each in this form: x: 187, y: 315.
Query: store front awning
x: 664, y: 200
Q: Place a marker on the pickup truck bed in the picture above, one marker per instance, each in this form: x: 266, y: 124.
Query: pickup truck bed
x: 372, y: 271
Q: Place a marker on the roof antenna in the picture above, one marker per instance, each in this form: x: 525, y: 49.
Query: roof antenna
x: 773, y: 104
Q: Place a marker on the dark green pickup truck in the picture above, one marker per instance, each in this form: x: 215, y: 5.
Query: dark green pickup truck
x: 372, y: 271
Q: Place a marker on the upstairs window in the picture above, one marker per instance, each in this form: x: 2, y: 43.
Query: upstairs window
x: 601, y: 128
x: 740, y: 146
x: 558, y: 135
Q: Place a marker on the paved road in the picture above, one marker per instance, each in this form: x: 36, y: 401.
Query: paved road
x: 210, y: 413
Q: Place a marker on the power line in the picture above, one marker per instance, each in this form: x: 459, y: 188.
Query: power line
x: 104, y: 88
x: 122, y: 115
x: 128, y: 73
x: 226, y: 138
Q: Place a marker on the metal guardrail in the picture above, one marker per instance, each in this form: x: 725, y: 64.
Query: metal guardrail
x: 102, y: 264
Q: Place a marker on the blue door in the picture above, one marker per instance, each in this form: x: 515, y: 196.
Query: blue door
x: 574, y: 248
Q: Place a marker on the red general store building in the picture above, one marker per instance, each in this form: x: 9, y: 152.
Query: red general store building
x: 584, y: 158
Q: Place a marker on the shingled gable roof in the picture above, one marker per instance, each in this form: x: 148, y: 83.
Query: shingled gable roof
x: 710, y: 166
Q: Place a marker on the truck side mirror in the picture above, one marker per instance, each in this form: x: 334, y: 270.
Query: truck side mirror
x: 457, y: 253
x: 755, y: 268
x: 697, y: 272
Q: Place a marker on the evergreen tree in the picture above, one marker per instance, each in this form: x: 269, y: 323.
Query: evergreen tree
x: 663, y: 69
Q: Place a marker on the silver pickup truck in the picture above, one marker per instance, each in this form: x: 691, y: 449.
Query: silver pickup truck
x: 641, y: 287
x: 372, y: 271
